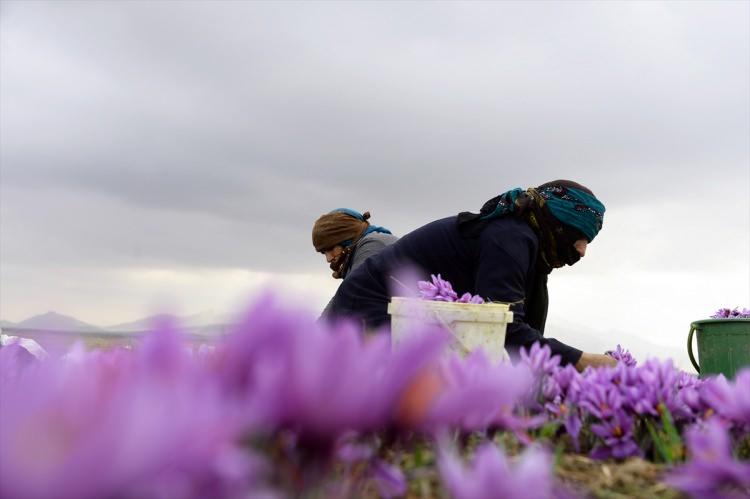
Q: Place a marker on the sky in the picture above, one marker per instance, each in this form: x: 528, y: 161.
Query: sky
x: 174, y: 155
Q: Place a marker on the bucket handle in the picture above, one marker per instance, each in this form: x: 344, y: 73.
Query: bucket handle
x: 453, y: 333
x: 690, y: 348
x: 466, y: 350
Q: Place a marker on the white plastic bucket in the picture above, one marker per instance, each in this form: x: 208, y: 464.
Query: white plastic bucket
x: 471, y: 325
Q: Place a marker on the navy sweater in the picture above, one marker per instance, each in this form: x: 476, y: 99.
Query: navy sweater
x: 498, y: 264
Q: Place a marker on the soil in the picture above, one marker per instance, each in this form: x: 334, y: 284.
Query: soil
x: 632, y: 478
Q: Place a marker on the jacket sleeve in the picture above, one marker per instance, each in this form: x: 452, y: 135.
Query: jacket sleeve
x: 367, y: 247
x: 505, y: 265
x: 326, y: 311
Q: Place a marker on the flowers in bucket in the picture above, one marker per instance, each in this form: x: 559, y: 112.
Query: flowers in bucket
x: 441, y: 290
x: 736, y: 313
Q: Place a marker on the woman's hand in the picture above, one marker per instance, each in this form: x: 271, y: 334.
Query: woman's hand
x: 594, y: 360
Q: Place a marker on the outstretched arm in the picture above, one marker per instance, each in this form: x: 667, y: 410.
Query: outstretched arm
x: 595, y: 360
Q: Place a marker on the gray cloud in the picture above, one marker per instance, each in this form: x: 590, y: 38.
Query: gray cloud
x: 214, y: 133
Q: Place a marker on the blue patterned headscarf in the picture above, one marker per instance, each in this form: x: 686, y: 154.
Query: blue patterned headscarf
x: 571, y: 206
x: 576, y: 208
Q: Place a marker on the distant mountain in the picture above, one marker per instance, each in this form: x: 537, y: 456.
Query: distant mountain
x: 56, y: 322
x: 143, y: 324
x: 206, y: 318
x: 200, y: 320
x: 6, y: 324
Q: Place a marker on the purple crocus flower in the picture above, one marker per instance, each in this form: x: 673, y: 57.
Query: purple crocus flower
x: 479, y: 394
x: 564, y: 405
x: 736, y: 313
x: 551, y: 389
x: 569, y: 414
x: 256, y: 344
x: 427, y: 290
x: 445, y: 290
x: 540, y: 359
x: 624, y: 356
x: 350, y: 451
x: 388, y: 478
x: 14, y: 359
x: 469, y: 298
x: 601, y: 400
x: 722, y: 313
x: 731, y: 400
x: 656, y: 383
x: 644, y: 388
x: 127, y: 424
x: 337, y: 382
x: 490, y: 474
x: 617, y: 437
x: 439, y: 289
x: 568, y: 380
x: 686, y: 405
x: 318, y: 382
x: 711, y: 472
x: 690, y: 398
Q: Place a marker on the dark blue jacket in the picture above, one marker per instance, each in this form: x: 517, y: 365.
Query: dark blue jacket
x: 498, y: 264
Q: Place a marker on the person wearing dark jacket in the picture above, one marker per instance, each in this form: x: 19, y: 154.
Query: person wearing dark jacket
x: 504, y: 254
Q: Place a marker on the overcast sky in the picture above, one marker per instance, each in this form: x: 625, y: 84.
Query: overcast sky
x: 175, y: 154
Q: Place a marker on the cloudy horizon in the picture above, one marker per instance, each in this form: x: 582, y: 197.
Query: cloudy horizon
x: 174, y: 155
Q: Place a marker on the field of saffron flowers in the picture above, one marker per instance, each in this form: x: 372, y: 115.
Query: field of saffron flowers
x: 286, y: 407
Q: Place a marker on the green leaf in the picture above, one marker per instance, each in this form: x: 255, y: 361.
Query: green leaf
x: 667, y: 440
x: 674, y: 440
x: 659, y: 442
x: 549, y: 430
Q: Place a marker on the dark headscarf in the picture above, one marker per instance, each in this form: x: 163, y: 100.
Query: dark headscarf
x: 560, y: 213
x: 342, y: 227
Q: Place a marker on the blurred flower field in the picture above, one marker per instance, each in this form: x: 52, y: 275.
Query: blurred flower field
x: 287, y: 407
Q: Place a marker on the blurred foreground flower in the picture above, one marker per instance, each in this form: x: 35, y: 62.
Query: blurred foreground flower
x: 290, y: 373
x: 490, y: 474
x: 731, y: 400
x: 540, y: 359
x: 143, y: 424
x: 14, y: 359
x: 479, y: 394
x: 711, y: 472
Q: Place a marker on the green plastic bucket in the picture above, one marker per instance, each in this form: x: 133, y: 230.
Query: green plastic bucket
x: 723, y: 346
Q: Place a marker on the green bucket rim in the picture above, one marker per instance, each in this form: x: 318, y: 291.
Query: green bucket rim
x: 713, y: 321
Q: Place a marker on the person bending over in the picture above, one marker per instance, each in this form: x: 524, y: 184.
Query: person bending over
x: 504, y: 253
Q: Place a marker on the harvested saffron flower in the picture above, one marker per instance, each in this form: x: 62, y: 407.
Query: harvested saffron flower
x: 736, y: 313
x: 441, y: 290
